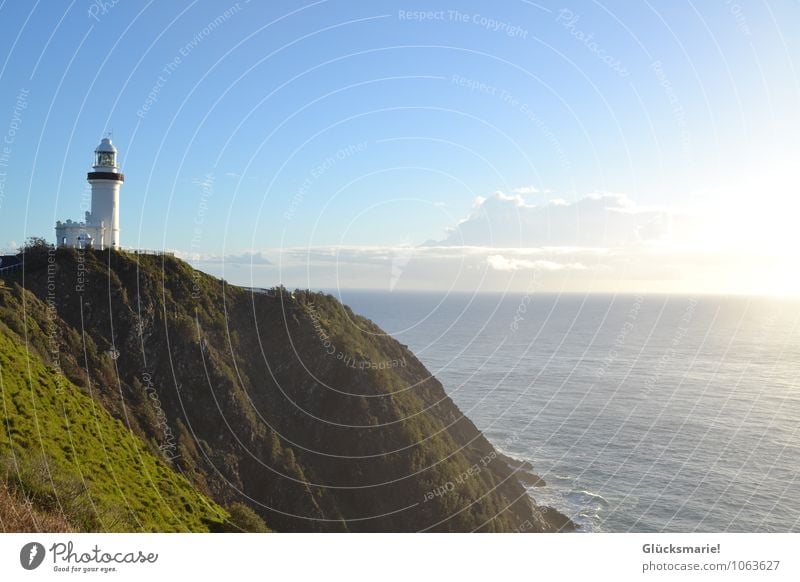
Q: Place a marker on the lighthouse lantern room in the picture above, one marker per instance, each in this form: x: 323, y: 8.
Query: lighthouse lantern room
x: 100, y: 228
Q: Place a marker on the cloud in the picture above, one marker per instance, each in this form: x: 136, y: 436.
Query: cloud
x: 601, y: 219
x: 526, y: 190
x: 602, y: 242
x: 432, y: 267
x: 501, y: 263
x: 642, y: 268
x: 243, y: 258
x: 249, y: 257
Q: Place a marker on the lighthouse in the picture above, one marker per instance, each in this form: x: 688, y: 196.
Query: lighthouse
x: 101, y: 226
x: 106, y: 181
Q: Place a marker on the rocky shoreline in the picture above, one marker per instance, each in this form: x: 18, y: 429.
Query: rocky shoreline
x: 525, y: 473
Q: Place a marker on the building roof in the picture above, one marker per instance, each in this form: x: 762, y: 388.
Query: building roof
x: 106, y: 146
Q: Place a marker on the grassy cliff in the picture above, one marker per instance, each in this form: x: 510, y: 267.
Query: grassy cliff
x: 287, y: 403
x: 73, y: 463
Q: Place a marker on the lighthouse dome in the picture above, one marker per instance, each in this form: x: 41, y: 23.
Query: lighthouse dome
x: 105, y: 155
x: 106, y: 146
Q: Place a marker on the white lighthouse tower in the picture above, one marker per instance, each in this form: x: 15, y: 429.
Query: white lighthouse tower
x: 101, y: 227
x: 106, y: 180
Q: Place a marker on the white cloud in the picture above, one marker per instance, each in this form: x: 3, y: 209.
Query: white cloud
x: 600, y: 219
x: 516, y: 199
x: 602, y: 242
x: 640, y: 268
x: 242, y: 258
x: 501, y: 263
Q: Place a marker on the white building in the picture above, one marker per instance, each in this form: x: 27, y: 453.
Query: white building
x: 100, y: 229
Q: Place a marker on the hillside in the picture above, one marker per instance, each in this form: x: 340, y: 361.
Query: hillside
x: 287, y: 402
x: 76, y: 466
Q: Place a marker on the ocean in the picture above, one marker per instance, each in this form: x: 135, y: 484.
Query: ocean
x: 641, y: 413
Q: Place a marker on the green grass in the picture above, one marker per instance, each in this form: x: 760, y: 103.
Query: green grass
x: 64, y: 452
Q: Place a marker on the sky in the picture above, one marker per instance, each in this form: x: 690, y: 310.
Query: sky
x: 472, y: 146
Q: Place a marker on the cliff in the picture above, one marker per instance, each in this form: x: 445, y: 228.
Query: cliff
x: 286, y: 402
x: 67, y: 465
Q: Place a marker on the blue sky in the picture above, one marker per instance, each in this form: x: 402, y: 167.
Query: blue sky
x: 250, y: 132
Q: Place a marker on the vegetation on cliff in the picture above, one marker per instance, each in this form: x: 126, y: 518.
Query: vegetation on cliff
x: 66, y: 464
x: 285, y: 403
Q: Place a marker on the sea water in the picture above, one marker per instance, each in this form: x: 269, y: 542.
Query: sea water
x: 642, y: 413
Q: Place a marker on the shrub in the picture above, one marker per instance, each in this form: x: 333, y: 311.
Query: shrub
x: 243, y: 519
